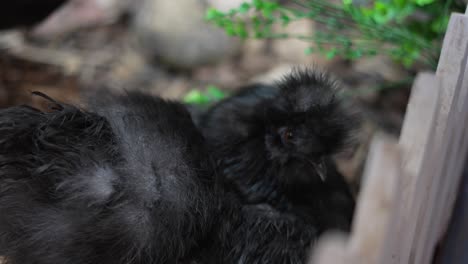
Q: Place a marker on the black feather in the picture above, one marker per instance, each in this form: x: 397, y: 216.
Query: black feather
x: 133, y: 181
x: 130, y: 182
x: 274, y: 145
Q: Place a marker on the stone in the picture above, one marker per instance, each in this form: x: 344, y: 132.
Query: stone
x: 176, y: 33
x: 272, y: 75
x: 226, y: 5
x: 256, y: 56
x: 380, y: 67
x: 76, y: 14
x: 225, y: 74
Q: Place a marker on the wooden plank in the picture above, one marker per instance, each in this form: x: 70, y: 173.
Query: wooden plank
x: 458, y: 127
x: 420, y: 115
x: 434, y: 167
x: 377, y: 201
x: 451, y: 148
x: 454, y: 155
x: 450, y: 62
x: 331, y: 248
x: 417, y: 133
x: 376, y: 205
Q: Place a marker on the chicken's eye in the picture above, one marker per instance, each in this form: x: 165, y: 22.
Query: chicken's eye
x: 287, y: 135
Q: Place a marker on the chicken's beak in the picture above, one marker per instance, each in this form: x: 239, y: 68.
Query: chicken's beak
x: 321, y: 169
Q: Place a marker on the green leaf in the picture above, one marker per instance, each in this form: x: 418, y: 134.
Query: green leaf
x: 407, y: 61
x: 440, y: 24
x: 213, y: 13
x: 195, y: 97
x: 423, y: 2
x: 331, y: 53
x: 267, y: 13
x: 211, y: 94
x: 215, y: 93
x: 244, y: 8
x: 400, y: 3
x: 240, y: 30
x: 355, y: 54
x: 229, y: 27
x: 309, y: 51
x: 372, y: 52
x: 332, y: 22
x: 232, y: 12
x: 285, y: 19
x: 259, y: 34
x: 383, y: 12
x: 403, y: 13
x: 272, y: 6
x: 258, y: 4
x: 256, y: 20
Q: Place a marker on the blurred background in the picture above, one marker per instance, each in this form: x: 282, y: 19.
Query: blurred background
x: 200, y: 51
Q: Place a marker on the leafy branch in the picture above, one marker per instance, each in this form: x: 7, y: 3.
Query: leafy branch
x: 389, y: 27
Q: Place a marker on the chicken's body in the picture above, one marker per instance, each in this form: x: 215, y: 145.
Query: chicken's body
x: 132, y: 181
x: 274, y: 144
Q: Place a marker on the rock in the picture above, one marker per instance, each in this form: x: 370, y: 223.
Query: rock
x: 226, y: 5
x: 380, y: 67
x: 132, y: 72
x: 172, y: 89
x: 274, y: 74
x: 76, y: 14
x: 256, y: 56
x: 175, y: 32
x: 226, y: 74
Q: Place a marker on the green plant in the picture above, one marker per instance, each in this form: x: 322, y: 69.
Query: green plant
x: 210, y: 95
x: 405, y: 30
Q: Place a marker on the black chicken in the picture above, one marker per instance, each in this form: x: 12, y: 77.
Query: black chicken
x: 274, y: 146
x: 132, y: 180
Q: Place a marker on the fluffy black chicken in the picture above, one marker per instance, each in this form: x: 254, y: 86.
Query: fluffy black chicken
x: 274, y: 146
x: 130, y: 182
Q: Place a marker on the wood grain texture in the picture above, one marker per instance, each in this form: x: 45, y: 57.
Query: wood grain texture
x: 376, y: 206
x: 416, y: 141
x: 450, y: 150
